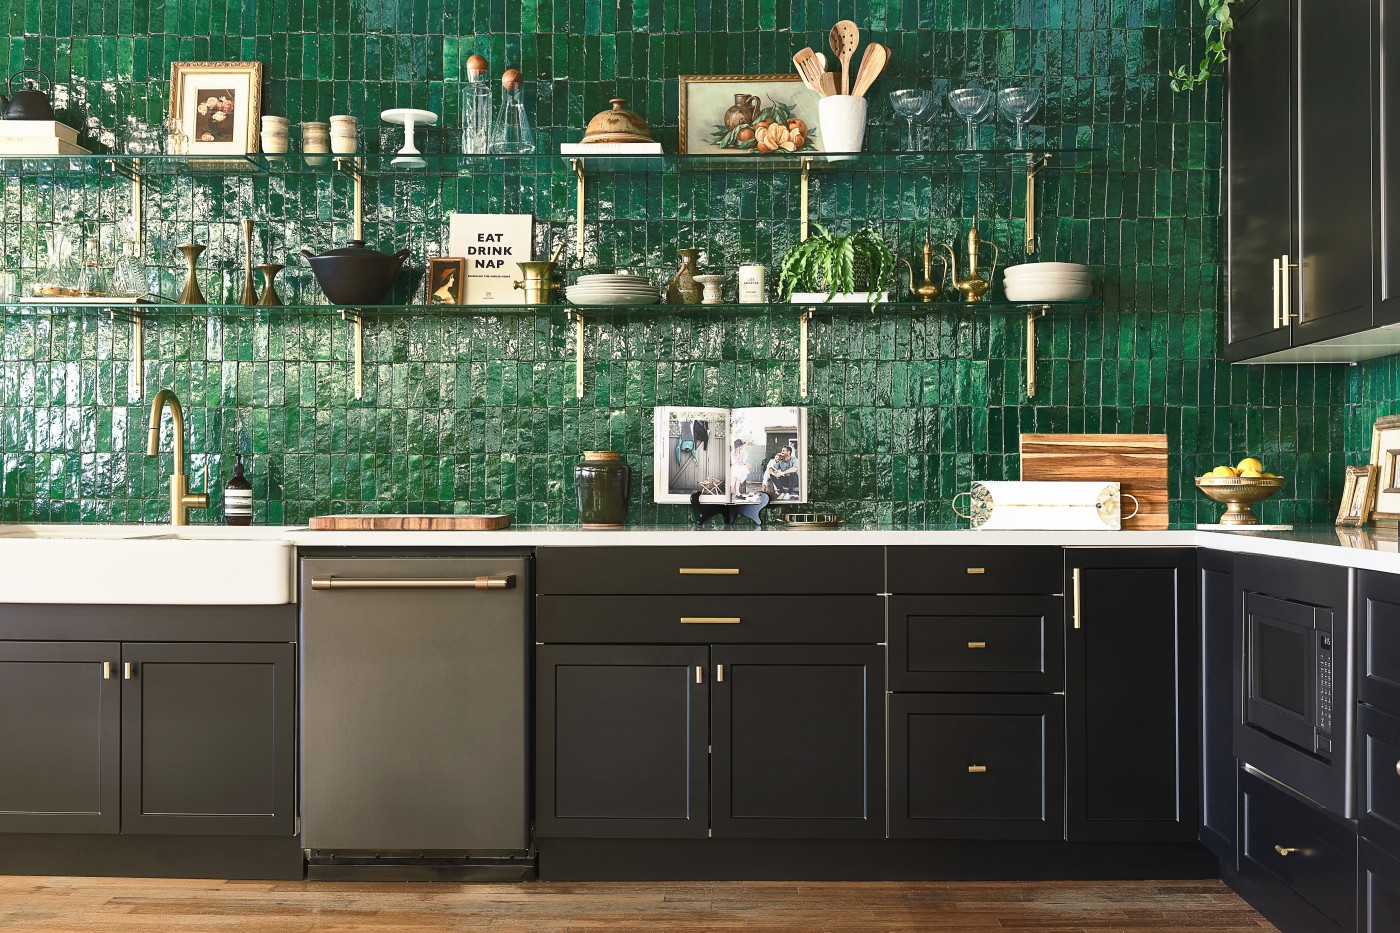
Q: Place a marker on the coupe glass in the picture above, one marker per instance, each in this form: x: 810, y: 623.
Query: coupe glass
x: 1019, y: 104
x: 909, y: 103
x: 974, y: 105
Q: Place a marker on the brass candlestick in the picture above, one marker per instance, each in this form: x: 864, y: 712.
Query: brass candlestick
x: 250, y: 291
x: 191, y: 295
x: 269, y: 272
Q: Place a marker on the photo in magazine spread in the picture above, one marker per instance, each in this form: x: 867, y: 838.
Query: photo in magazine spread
x: 730, y: 455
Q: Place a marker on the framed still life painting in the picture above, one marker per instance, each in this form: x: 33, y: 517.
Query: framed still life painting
x: 758, y: 115
x: 218, y: 105
x: 1385, y: 457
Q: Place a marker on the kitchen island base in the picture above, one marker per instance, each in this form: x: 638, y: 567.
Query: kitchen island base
x: 261, y: 858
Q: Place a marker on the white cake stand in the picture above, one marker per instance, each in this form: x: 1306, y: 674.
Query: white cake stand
x: 409, y: 156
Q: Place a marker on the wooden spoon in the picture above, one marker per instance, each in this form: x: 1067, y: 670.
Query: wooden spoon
x: 872, y: 62
x: 808, y: 68
x: 845, y: 36
x: 828, y: 84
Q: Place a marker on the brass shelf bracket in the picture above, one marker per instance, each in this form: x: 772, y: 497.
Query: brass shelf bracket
x: 806, y: 176
x: 138, y: 349
x: 1033, y: 170
x: 132, y: 173
x: 351, y: 169
x: 803, y: 360
x: 1032, y: 316
x: 577, y: 319
x: 580, y: 192
x: 358, y: 339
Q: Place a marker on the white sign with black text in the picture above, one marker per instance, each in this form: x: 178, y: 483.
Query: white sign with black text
x: 492, y: 244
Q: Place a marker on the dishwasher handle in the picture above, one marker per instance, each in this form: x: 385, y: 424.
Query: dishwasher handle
x: 500, y: 581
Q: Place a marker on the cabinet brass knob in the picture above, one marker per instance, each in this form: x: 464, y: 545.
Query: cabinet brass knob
x: 1397, y: 768
x: 977, y: 644
x: 976, y: 570
x: 976, y: 769
x: 708, y: 571
x: 106, y: 670
x: 126, y: 670
x: 1284, y: 851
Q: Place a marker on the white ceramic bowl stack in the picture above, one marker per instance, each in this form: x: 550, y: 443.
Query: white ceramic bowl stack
x: 1048, y: 281
x: 613, y: 289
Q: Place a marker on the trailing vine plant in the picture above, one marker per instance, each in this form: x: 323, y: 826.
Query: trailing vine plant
x: 1219, y: 24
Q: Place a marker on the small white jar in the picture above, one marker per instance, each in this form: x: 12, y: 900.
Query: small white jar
x: 345, y: 133
x: 751, y: 285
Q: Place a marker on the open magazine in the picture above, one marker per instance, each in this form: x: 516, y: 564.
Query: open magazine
x: 730, y: 455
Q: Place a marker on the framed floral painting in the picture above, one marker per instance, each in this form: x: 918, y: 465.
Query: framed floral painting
x: 756, y: 115
x: 218, y: 105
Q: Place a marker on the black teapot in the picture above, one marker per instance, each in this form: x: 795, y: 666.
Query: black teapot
x: 27, y: 103
x: 355, y: 274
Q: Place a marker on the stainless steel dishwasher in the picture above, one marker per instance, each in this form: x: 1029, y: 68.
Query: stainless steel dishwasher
x: 415, y: 730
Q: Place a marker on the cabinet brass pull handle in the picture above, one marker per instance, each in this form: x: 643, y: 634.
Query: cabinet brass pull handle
x: 709, y: 571
x: 976, y: 769
x: 699, y: 677
x: 1278, y: 322
x: 504, y: 581
x: 126, y: 670
x: 1075, y: 577
x: 719, y: 673
x: 1287, y: 288
x: 976, y: 570
x: 977, y: 644
x: 106, y: 670
x: 1397, y: 768
x: 1284, y: 851
x: 710, y: 620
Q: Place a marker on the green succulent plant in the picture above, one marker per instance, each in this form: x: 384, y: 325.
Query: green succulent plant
x: 826, y: 261
x: 1219, y: 24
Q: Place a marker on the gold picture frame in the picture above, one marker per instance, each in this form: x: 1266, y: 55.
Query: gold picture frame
x: 705, y: 99
x: 1358, y: 496
x: 447, y: 280
x: 219, y: 105
x: 1385, y: 457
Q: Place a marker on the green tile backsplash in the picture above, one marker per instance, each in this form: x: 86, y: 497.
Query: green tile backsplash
x: 478, y: 413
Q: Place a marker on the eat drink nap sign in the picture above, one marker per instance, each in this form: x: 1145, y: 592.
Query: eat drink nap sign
x: 492, y: 244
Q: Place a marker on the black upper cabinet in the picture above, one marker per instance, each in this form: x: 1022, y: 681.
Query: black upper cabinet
x: 1300, y: 115
x: 60, y: 722
x: 1131, y: 699
x: 1219, y: 709
x: 1387, y: 144
x: 209, y: 739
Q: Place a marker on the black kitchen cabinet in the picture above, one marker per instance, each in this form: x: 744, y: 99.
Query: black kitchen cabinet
x: 798, y: 735
x: 977, y: 644
x: 208, y: 739
x: 1301, y: 208
x: 1219, y: 708
x: 622, y: 741
x: 60, y: 725
x: 1386, y: 140
x: 1378, y: 889
x: 1378, y: 640
x: 1131, y: 695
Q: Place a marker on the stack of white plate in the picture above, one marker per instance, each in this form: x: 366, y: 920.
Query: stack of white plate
x: 1048, y: 281
x: 613, y: 289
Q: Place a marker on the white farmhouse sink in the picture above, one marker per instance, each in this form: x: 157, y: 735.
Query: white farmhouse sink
x: 146, y: 565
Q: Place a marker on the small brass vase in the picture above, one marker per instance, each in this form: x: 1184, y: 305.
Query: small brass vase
x: 269, y: 272
x: 191, y: 295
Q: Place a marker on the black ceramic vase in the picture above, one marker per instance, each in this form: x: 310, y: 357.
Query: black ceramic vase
x: 603, y: 481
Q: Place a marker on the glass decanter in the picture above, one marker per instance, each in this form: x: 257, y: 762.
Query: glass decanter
x: 511, y: 130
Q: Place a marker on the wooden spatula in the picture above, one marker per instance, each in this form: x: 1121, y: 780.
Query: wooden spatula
x: 829, y: 84
x: 845, y: 36
x: 809, y: 69
x: 872, y: 62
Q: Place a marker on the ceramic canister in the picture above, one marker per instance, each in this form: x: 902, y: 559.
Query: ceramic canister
x: 843, y: 122
x: 603, y: 481
x: 345, y: 131
x: 274, y: 134
x: 315, y: 137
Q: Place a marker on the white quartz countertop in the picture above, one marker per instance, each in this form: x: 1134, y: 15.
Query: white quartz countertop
x: 216, y: 564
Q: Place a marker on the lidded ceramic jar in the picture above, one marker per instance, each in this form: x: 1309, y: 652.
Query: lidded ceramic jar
x: 617, y: 126
x: 603, y: 481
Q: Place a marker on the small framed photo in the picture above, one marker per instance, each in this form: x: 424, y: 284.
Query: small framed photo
x: 446, y: 280
x: 1385, y: 458
x: 219, y: 105
x: 1358, y: 496
x: 739, y: 115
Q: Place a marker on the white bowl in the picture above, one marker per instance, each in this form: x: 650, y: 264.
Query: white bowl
x: 1059, y: 267
x: 1036, y: 280
x: 1024, y: 273
x: 1048, y: 292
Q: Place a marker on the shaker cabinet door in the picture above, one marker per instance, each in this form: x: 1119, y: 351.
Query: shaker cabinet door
x: 60, y: 722
x: 209, y: 739
x: 1219, y: 769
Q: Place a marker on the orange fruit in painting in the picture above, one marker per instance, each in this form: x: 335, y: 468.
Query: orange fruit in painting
x: 745, y: 134
x: 795, y: 125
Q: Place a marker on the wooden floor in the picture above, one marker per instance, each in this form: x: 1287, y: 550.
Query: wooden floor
x: 107, y: 905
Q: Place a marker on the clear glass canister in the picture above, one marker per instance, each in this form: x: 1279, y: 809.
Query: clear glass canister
x: 476, y: 108
x: 511, y: 130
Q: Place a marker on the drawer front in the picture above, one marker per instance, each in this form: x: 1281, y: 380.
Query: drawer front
x: 1380, y: 778
x: 977, y: 569
x: 960, y: 644
x: 1378, y: 888
x: 709, y: 619
x: 1304, y: 858
x: 1379, y: 628
x: 713, y: 571
x: 976, y: 767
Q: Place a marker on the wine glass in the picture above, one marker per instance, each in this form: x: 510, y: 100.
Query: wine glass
x: 974, y: 105
x: 1019, y: 104
x: 909, y: 103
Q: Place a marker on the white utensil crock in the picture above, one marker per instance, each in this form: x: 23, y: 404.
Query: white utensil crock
x: 842, y: 119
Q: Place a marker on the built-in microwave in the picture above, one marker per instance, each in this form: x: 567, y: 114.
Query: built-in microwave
x: 1296, y: 720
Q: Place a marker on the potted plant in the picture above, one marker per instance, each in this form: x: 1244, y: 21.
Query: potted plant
x: 1219, y: 24
x: 856, y: 267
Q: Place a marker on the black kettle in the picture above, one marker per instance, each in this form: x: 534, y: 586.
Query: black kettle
x: 28, y: 103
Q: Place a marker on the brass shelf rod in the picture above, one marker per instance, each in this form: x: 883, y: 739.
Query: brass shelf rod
x: 358, y: 342
x: 1035, y: 314
x: 1032, y: 171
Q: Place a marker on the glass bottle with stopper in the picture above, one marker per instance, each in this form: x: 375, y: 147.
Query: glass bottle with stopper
x: 511, y: 131
x: 476, y: 107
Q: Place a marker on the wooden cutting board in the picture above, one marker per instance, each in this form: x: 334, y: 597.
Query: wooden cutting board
x: 1136, y: 461
x: 409, y: 522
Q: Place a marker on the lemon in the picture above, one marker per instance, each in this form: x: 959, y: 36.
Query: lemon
x: 1252, y: 474
x: 1250, y: 463
x: 1223, y: 472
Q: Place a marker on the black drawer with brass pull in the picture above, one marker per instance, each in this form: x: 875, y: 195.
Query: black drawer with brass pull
x: 757, y: 570
x: 1302, y: 858
x: 964, y: 644
x: 980, y: 569
x: 704, y: 619
x: 976, y: 767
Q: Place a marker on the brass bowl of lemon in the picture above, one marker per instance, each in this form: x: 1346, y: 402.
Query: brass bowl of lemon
x: 1239, y: 487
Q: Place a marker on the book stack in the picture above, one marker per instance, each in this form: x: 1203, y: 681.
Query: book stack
x: 38, y: 137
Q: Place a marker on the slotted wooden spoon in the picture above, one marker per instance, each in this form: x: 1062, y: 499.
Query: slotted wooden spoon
x: 872, y: 61
x: 845, y: 36
x: 809, y: 68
